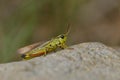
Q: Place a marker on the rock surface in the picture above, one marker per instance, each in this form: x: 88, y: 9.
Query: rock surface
x: 85, y: 61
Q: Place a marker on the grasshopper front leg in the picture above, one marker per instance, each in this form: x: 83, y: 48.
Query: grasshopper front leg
x: 63, y: 46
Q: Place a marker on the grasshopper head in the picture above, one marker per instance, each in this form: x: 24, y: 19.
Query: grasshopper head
x: 62, y: 38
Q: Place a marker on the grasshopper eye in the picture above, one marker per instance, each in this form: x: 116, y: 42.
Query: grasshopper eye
x: 62, y: 36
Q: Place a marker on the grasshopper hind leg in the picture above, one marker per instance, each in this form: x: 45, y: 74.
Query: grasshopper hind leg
x: 25, y: 57
x: 45, y: 53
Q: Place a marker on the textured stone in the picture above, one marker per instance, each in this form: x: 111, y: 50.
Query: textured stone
x: 85, y: 61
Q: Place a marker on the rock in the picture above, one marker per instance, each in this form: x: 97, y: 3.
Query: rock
x: 85, y: 61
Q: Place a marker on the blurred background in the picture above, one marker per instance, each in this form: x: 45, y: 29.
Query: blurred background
x: 23, y: 22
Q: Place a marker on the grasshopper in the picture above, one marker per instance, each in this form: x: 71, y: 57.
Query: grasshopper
x: 37, y: 49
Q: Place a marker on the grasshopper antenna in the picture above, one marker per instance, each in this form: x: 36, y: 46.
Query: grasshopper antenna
x: 68, y: 29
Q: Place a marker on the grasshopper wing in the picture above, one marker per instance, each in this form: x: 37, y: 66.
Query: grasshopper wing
x: 25, y: 49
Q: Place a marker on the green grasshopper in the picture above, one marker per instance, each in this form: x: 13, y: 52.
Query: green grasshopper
x: 37, y: 49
